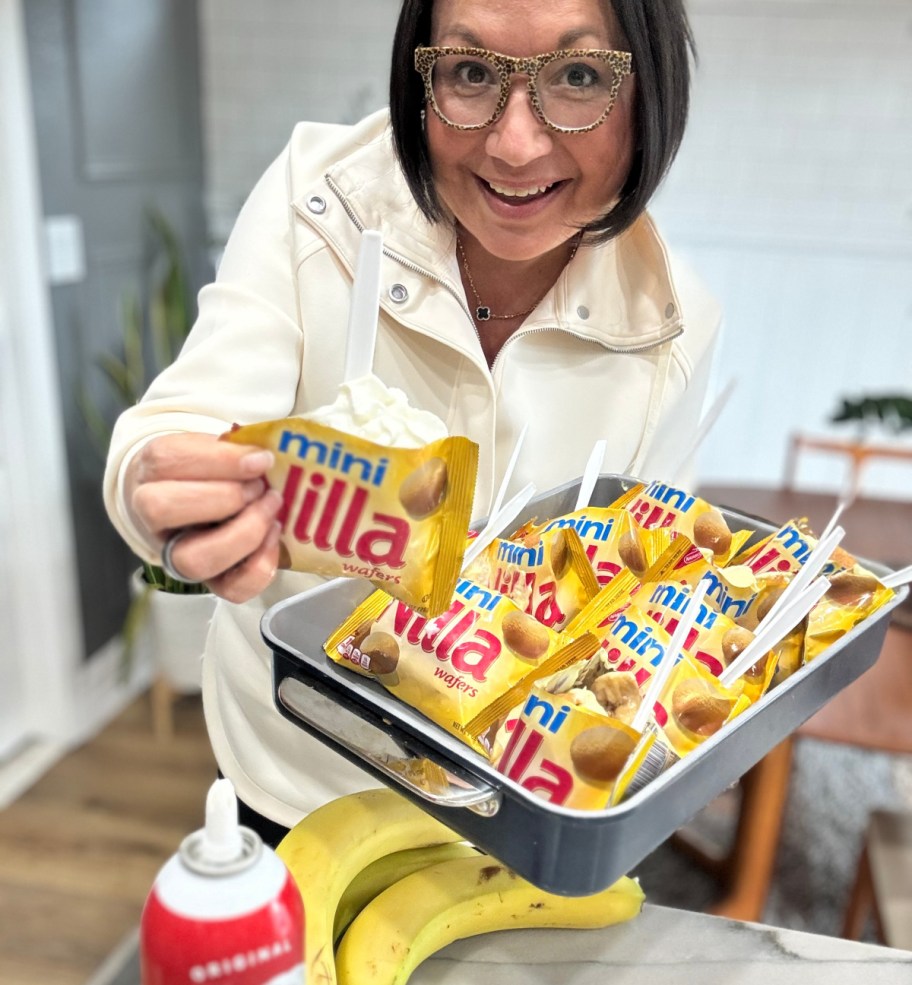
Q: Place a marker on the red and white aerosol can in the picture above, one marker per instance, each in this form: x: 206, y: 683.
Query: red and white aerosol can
x: 224, y: 909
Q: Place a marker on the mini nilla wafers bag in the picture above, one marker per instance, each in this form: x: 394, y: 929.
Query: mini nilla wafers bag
x: 568, y: 754
x: 396, y: 516
x: 659, y: 505
x: 546, y: 574
x: 466, y: 668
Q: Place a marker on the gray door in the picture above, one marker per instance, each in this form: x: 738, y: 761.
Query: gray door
x: 117, y: 104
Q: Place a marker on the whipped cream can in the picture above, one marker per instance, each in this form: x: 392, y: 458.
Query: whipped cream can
x: 223, y: 909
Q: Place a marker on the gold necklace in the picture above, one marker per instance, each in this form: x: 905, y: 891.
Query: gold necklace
x: 482, y: 311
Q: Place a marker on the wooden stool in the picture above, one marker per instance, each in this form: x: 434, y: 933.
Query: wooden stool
x: 883, y: 882
x: 162, y: 696
x: 746, y: 870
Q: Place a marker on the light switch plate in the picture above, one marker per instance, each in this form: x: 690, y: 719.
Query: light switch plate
x: 65, y: 249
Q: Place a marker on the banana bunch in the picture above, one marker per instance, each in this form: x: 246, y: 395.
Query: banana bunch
x: 423, y: 912
x: 333, y: 844
x: 380, y: 875
x: 396, y: 885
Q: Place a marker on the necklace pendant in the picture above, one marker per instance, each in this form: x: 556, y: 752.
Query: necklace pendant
x: 483, y: 313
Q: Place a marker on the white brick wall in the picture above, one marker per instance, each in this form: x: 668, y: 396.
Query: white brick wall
x: 792, y: 194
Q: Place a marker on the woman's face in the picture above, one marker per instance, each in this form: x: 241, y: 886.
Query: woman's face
x: 519, y: 188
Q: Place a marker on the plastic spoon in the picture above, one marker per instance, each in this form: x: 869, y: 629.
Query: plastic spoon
x: 498, y: 523
x: 898, y: 578
x: 591, y: 474
x: 773, y: 628
x: 685, y: 624
x: 846, y: 499
x: 508, y: 475
x: 362, y: 316
x: 705, y: 426
x: 812, y: 567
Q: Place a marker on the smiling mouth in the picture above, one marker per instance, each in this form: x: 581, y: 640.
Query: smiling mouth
x: 517, y: 195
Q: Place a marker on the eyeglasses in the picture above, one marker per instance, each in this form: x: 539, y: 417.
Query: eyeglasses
x: 571, y: 90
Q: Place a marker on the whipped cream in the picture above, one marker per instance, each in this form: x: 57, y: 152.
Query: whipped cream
x: 368, y: 408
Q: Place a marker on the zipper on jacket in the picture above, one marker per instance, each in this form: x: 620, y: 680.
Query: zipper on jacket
x: 409, y: 265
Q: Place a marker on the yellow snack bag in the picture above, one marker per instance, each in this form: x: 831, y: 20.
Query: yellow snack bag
x: 547, y: 575
x: 854, y: 594
x: 396, y: 516
x: 465, y: 668
x: 661, y: 505
x: 715, y: 640
x: 566, y: 753
x: 694, y: 705
x: 612, y: 539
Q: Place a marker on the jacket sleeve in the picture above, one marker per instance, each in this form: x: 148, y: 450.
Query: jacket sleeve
x: 242, y: 359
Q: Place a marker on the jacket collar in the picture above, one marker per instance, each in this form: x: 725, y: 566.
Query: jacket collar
x: 620, y: 295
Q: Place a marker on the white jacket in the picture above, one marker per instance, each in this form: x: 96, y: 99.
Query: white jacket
x: 618, y: 349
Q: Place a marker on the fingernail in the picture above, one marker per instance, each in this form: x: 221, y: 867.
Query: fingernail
x: 273, y: 500
x: 275, y: 531
x: 253, y: 490
x: 258, y: 462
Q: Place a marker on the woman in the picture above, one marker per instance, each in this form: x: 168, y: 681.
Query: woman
x: 522, y: 283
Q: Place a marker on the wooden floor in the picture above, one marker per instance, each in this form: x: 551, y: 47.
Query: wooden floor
x: 80, y: 850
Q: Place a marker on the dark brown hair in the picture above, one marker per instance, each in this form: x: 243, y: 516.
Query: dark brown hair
x: 657, y: 34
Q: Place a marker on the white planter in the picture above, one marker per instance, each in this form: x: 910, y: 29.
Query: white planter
x: 174, y: 629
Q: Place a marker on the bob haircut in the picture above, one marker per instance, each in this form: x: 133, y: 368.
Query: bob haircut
x: 657, y: 34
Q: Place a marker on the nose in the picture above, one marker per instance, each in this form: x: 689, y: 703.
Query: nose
x: 518, y: 136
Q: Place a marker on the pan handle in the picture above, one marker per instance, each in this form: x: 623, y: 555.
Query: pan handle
x: 422, y: 776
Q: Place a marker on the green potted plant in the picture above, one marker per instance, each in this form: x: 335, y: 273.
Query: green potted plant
x: 892, y: 412
x: 169, y: 616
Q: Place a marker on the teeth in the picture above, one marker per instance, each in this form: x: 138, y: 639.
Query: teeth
x: 518, y: 192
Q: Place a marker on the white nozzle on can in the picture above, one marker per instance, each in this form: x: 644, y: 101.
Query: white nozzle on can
x: 222, y: 846
x: 221, y: 840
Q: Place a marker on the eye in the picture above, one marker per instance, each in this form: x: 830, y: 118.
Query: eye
x: 581, y: 76
x: 474, y: 73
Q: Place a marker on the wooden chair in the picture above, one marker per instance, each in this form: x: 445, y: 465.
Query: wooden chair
x: 883, y: 883
x: 875, y: 712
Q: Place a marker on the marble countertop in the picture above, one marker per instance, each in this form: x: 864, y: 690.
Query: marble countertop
x: 664, y: 946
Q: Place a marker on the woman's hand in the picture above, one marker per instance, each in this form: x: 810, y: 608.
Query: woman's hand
x: 216, y: 492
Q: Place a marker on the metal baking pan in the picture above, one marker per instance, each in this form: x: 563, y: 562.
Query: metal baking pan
x: 563, y: 850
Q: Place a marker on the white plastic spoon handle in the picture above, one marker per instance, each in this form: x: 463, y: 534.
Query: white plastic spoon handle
x: 498, y: 523
x: 773, y: 629
x: 845, y: 501
x: 678, y: 638
x: 590, y: 476
x: 508, y: 475
x: 812, y: 567
x: 706, y: 425
x: 898, y: 578
x: 362, y: 316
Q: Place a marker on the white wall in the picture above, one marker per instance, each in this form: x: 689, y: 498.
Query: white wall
x: 792, y: 194
x: 270, y: 64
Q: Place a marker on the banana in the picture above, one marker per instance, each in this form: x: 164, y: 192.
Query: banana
x: 330, y: 846
x: 429, y: 909
x: 380, y: 875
